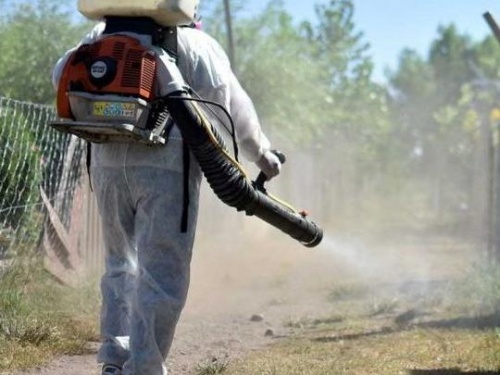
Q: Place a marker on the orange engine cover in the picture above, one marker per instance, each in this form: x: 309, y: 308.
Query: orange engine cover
x: 116, y: 64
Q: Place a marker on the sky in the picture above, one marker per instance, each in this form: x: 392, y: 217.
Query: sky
x: 389, y: 26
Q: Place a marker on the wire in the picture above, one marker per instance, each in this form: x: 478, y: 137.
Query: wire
x: 198, y: 96
x: 231, y: 132
x: 222, y: 148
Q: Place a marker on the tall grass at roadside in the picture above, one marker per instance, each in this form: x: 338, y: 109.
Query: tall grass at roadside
x: 39, y: 318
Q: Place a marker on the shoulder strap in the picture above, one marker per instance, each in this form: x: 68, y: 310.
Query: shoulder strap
x: 168, y: 41
x: 138, y: 25
x: 164, y: 37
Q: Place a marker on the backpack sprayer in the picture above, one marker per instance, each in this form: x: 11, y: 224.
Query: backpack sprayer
x: 106, y: 94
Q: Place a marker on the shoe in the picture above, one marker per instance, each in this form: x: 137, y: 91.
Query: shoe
x: 111, y: 370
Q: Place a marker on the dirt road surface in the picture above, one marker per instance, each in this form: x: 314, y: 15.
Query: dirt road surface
x: 244, y: 297
x: 241, y: 299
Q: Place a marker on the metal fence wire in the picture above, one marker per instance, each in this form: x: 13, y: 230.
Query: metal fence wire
x: 40, y: 170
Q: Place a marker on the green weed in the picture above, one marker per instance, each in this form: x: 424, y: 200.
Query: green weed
x: 213, y: 366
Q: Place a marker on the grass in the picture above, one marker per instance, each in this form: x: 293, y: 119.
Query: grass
x: 453, y: 328
x: 40, y: 319
x: 376, y: 352
x: 213, y: 366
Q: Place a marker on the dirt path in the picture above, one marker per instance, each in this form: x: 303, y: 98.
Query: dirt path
x: 199, y: 339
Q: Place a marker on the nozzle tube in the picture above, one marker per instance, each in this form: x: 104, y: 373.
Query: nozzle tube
x: 226, y: 179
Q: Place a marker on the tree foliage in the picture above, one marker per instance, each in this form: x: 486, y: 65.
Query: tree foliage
x: 441, y: 106
x: 34, y: 35
x: 358, y: 108
x: 425, y: 88
x: 276, y: 65
x: 308, y: 80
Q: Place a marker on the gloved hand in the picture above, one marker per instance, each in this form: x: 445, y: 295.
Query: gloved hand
x: 269, y: 164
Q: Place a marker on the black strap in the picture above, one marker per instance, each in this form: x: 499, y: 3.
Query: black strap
x: 164, y: 37
x: 138, y: 25
x: 168, y: 41
x: 87, y: 162
x: 185, y: 202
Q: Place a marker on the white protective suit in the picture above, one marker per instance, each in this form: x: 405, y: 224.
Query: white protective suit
x: 139, y: 191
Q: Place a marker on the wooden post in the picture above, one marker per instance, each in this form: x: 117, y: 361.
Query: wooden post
x: 494, y: 239
x: 229, y: 28
x: 495, y: 251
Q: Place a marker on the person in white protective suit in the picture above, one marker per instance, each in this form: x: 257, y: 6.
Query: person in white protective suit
x: 139, y: 191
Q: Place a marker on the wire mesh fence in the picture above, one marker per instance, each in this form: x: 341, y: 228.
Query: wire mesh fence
x: 39, y: 168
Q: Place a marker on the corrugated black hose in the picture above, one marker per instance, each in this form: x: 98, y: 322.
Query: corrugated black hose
x: 227, y: 180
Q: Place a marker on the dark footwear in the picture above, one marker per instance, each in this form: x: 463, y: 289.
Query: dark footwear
x: 111, y: 370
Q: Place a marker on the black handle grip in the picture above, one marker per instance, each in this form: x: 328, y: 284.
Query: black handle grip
x: 262, y: 178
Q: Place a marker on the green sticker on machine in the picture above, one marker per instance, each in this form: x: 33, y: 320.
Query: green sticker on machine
x: 113, y: 109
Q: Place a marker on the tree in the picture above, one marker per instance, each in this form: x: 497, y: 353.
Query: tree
x: 441, y: 106
x: 487, y: 57
x: 308, y: 77
x: 275, y: 64
x: 452, y: 60
x: 34, y: 36
x: 358, y: 110
x: 421, y: 88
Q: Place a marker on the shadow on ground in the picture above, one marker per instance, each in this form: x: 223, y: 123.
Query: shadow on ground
x: 451, y: 372
x: 403, y: 324
x: 481, y: 322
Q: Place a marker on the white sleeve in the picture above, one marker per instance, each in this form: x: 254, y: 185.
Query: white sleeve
x: 251, y: 138
x: 210, y: 74
x: 87, y: 39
